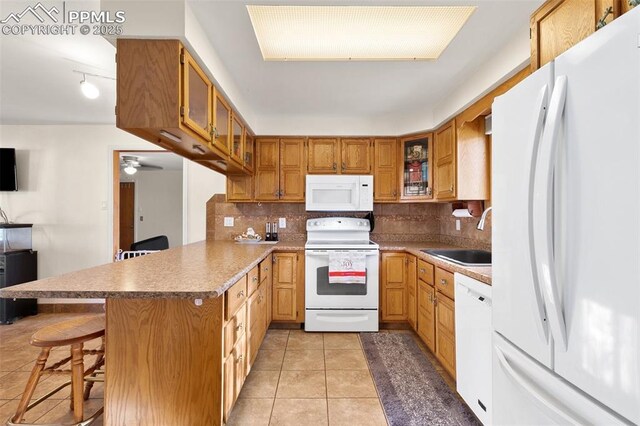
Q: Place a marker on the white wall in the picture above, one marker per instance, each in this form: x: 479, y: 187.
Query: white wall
x: 158, y: 200
x: 200, y: 184
x: 65, y: 182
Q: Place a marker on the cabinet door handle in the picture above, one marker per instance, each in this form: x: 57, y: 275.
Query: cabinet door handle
x: 335, y: 166
x: 429, y: 192
x: 275, y: 194
x: 422, y: 270
x: 266, y: 268
x: 443, y: 281
x: 395, y: 193
x: 254, y: 279
x: 451, y: 189
x: 240, y: 358
x: 239, y: 327
x: 344, y: 166
x: 240, y: 294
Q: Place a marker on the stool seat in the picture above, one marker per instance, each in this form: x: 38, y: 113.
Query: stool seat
x: 69, y: 332
x: 73, y: 333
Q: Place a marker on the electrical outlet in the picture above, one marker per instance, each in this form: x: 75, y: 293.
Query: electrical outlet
x: 457, y: 224
x: 228, y: 222
x: 282, y: 222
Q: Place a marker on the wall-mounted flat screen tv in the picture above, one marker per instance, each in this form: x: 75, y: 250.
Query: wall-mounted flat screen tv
x: 8, y: 171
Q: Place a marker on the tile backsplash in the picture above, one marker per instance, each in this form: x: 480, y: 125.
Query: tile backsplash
x: 393, y: 222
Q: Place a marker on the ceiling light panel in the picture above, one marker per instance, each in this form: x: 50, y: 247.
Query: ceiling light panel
x: 339, y: 33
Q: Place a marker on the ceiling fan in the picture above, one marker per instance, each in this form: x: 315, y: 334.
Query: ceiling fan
x: 131, y: 164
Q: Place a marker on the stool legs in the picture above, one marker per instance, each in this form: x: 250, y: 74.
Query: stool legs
x: 31, y: 385
x: 77, y: 380
x: 99, y: 359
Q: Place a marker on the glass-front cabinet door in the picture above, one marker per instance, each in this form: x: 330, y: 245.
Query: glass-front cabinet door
x: 248, y: 150
x: 237, y: 140
x: 417, y: 173
x: 196, y: 107
x: 221, y: 122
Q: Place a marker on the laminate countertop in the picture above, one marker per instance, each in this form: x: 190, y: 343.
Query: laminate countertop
x: 200, y: 270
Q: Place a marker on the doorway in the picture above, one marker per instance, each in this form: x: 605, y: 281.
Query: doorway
x: 148, y: 197
x: 127, y: 214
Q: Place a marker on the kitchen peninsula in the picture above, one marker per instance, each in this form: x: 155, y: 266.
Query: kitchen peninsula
x: 165, y: 324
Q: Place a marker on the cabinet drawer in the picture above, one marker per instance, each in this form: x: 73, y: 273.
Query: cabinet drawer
x: 265, y: 268
x: 235, y: 297
x: 253, y: 279
x: 235, y: 329
x: 444, y: 282
x: 425, y: 272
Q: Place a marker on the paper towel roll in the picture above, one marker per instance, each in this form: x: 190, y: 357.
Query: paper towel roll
x: 461, y: 213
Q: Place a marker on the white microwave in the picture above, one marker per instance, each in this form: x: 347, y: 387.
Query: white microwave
x: 339, y: 193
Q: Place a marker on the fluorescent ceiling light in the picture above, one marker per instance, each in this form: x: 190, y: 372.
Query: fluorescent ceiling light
x: 338, y: 33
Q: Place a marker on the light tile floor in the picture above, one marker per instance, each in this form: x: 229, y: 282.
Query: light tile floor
x: 309, y: 379
x: 17, y: 358
x: 298, y: 378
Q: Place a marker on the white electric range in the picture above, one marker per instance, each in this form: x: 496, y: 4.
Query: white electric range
x: 340, y: 307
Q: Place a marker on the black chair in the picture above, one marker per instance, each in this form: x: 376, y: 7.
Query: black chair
x: 156, y: 243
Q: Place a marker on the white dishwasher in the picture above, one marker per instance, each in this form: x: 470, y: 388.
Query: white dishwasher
x: 473, y: 344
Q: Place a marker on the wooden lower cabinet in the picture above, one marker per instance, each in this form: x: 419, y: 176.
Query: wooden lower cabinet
x: 446, y: 333
x: 412, y: 283
x: 426, y: 328
x: 256, y: 322
x: 266, y: 278
x: 288, y: 288
x: 234, y: 369
x: 393, y: 287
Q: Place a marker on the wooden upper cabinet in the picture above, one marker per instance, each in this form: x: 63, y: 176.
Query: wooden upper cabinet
x: 239, y: 188
x: 221, y: 123
x: 292, y: 169
x: 266, y: 180
x: 445, y: 161
x: 151, y: 96
x: 237, y: 140
x: 249, y: 148
x: 385, y: 170
x: 196, y: 101
x: 355, y: 156
x: 416, y: 174
x: 324, y: 155
x: 558, y: 25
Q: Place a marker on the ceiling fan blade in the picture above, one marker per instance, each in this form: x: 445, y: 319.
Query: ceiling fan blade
x: 148, y: 167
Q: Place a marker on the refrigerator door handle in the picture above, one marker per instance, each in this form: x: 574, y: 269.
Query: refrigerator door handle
x: 532, y: 390
x: 543, y: 213
x: 540, y: 110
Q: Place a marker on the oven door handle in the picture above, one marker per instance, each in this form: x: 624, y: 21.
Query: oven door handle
x: 326, y: 252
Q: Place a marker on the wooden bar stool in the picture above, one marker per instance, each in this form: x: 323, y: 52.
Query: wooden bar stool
x: 73, y: 333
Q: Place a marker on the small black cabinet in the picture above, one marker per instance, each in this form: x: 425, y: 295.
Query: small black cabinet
x: 15, y: 268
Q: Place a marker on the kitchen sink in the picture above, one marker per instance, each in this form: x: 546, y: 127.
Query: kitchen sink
x: 463, y: 257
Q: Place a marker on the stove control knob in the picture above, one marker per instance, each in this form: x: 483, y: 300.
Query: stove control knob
x: 316, y: 223
x: 360, y: 223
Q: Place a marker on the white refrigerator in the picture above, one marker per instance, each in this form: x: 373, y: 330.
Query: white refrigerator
x: 566, y: 237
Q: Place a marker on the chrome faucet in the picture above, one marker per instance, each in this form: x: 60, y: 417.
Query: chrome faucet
x: 483, y: 218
